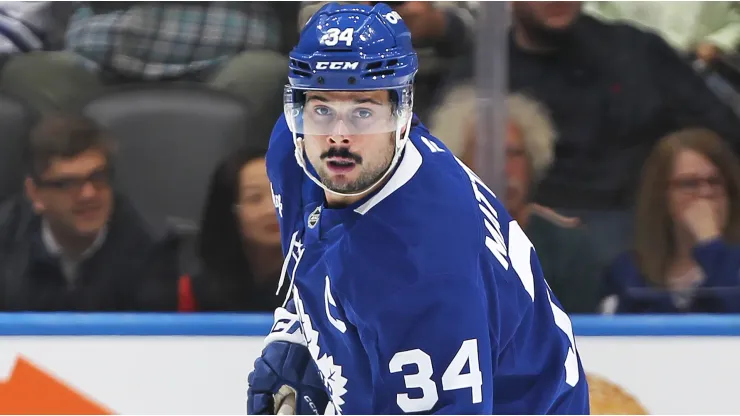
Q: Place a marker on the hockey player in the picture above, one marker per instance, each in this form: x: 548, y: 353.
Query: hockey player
x: 413, y: 290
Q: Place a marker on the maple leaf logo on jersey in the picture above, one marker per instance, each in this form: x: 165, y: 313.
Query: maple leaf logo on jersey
x: 331, y: 372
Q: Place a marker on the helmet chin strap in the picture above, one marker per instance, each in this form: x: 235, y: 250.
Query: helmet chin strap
x: 401, y: 137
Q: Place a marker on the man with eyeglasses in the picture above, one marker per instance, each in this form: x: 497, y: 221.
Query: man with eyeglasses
x: 71, y: 243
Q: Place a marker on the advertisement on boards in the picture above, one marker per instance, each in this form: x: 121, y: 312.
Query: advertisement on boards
x: 190, y: 374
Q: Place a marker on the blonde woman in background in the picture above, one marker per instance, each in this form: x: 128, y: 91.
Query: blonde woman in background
x: 566, y: 251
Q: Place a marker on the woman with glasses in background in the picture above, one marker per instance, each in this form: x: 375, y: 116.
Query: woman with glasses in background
x: 686, y: 254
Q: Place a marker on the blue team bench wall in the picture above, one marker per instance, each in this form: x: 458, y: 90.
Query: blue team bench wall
x: 143, y: 324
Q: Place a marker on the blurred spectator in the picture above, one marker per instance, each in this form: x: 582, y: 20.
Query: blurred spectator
x: 239, y: 244
x: 613, y: 91
x: 443, y: 33
x: 566, y: 252
x: 229, y: 45
x: 73, y: 245
x: 27, y: 26
x: 686, y: 255
x: 705, y: 33
x: 701, y: 29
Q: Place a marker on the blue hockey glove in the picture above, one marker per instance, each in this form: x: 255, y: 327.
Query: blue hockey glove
x: 285, y: 375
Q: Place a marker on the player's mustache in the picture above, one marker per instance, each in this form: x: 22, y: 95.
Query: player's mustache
x: 342, y: 152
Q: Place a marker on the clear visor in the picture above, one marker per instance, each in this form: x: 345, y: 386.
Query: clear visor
x: 343, y: 113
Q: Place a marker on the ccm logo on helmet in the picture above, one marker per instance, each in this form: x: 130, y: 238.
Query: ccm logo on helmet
x: 337, y: 65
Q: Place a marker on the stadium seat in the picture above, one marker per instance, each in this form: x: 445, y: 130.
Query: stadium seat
x: 170, y: 139
x: 16, y: 121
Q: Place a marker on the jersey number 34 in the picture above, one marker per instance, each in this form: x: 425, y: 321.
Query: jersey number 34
x: 520, y: 250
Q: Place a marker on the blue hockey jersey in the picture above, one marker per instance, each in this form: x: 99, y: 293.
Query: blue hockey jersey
x: 425, y: 296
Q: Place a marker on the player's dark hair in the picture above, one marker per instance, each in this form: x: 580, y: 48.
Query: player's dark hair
x: 63, y: 136
x: 654, y: 227
x: 220, y: 245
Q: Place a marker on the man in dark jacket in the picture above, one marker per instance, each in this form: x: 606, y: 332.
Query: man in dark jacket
x: 613, y: 91
x: 70, y: 244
